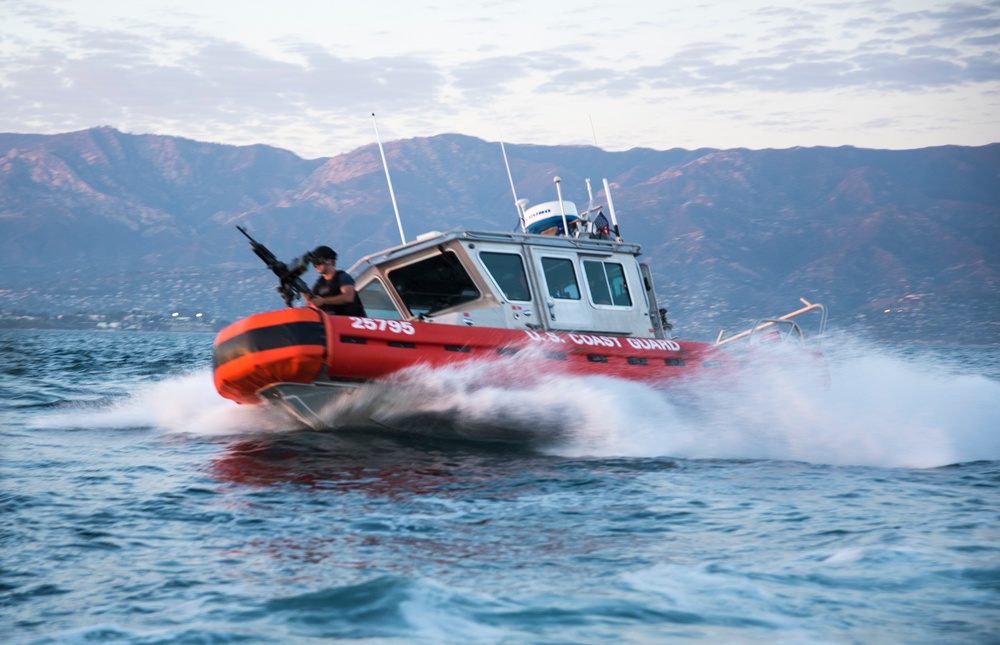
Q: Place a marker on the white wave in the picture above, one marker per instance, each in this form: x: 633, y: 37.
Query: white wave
x: 181, y: 404
x: 880, y: 409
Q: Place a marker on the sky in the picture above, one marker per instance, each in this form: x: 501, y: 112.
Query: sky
x: 306, y: 75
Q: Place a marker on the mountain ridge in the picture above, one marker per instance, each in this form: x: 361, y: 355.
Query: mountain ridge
x: 730, y: 234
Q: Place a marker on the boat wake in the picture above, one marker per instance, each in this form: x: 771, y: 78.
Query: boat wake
x: 186, y: 403
x: 879, y: 409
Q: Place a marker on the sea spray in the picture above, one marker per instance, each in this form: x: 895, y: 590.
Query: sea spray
x: 877, y: 407
x: 186, y: 403
x: 873, y: 408
x: 506, y: 400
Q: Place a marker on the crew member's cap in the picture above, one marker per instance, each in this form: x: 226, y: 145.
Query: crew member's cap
x: 324, y: 253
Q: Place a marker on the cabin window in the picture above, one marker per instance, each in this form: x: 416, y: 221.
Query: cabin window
x: 507, y: 270
x: 433, y: 284
x: 377, y: 302
x: 607, y: 283
x: 560, y: 278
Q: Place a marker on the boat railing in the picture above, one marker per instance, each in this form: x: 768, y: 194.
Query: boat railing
x: 792, y: 328
x: 784, y: 331
x: 433, y: 239
x: 566, y: 241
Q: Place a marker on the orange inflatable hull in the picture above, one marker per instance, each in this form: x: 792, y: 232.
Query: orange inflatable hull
x: 304, y: 345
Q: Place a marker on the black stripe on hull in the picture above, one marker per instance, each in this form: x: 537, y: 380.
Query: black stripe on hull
x: 271, y: 337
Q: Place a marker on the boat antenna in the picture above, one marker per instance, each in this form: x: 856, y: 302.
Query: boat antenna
x: 392, y: 195
x: 607, y: 188
x: 611, y: 207
x: 590, y: 197
x: 518, y: 204
x: 562, y: 209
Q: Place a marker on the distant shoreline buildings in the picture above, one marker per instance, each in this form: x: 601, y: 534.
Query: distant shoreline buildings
x: 111, y: 322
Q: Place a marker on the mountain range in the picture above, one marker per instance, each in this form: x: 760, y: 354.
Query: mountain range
x: 902, y: 244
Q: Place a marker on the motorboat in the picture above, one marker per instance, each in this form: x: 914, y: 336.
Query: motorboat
x: 563, y: 295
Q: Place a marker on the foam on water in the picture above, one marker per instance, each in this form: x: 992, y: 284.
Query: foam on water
x: 879, y: 409
x: 180, y: 404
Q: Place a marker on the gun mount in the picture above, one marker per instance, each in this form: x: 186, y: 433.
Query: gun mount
x: 290, y: 285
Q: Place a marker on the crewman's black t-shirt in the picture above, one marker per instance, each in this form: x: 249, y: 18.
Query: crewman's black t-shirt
x: 325, y: 288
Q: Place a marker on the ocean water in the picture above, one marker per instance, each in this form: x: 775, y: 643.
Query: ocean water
x: 469, y: 505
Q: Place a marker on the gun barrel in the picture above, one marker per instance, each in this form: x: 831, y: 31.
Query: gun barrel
x: 290, y: 285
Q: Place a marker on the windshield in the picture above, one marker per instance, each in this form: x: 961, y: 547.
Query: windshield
x: 433, y: 284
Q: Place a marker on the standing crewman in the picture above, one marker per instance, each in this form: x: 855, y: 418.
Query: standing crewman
x: 334, y: 291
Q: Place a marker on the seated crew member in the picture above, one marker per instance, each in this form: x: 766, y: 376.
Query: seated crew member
x: 334, y: 289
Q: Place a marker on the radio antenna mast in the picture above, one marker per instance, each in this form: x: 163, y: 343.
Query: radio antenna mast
x: 392, y: 195
x: 607, y: 188
x: 517, y: 204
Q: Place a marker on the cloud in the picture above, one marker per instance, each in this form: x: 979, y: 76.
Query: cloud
x: 982, y: 41
x: 892, y: 51
x: 984, y: 68
x: 162, y: 73
x: 880, y: 123
x: 957, y: 19
x: 57, y: 75
x: 105, y: 76
x: 490, y: 75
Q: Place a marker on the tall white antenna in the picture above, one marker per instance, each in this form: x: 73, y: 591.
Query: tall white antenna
x: 517, y: 204
x: 607, y: 188
x: 392, y: 195
x: 562, y: 209
x: 611, y: 207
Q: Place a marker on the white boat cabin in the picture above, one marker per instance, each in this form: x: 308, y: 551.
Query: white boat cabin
x: 513, y: 281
